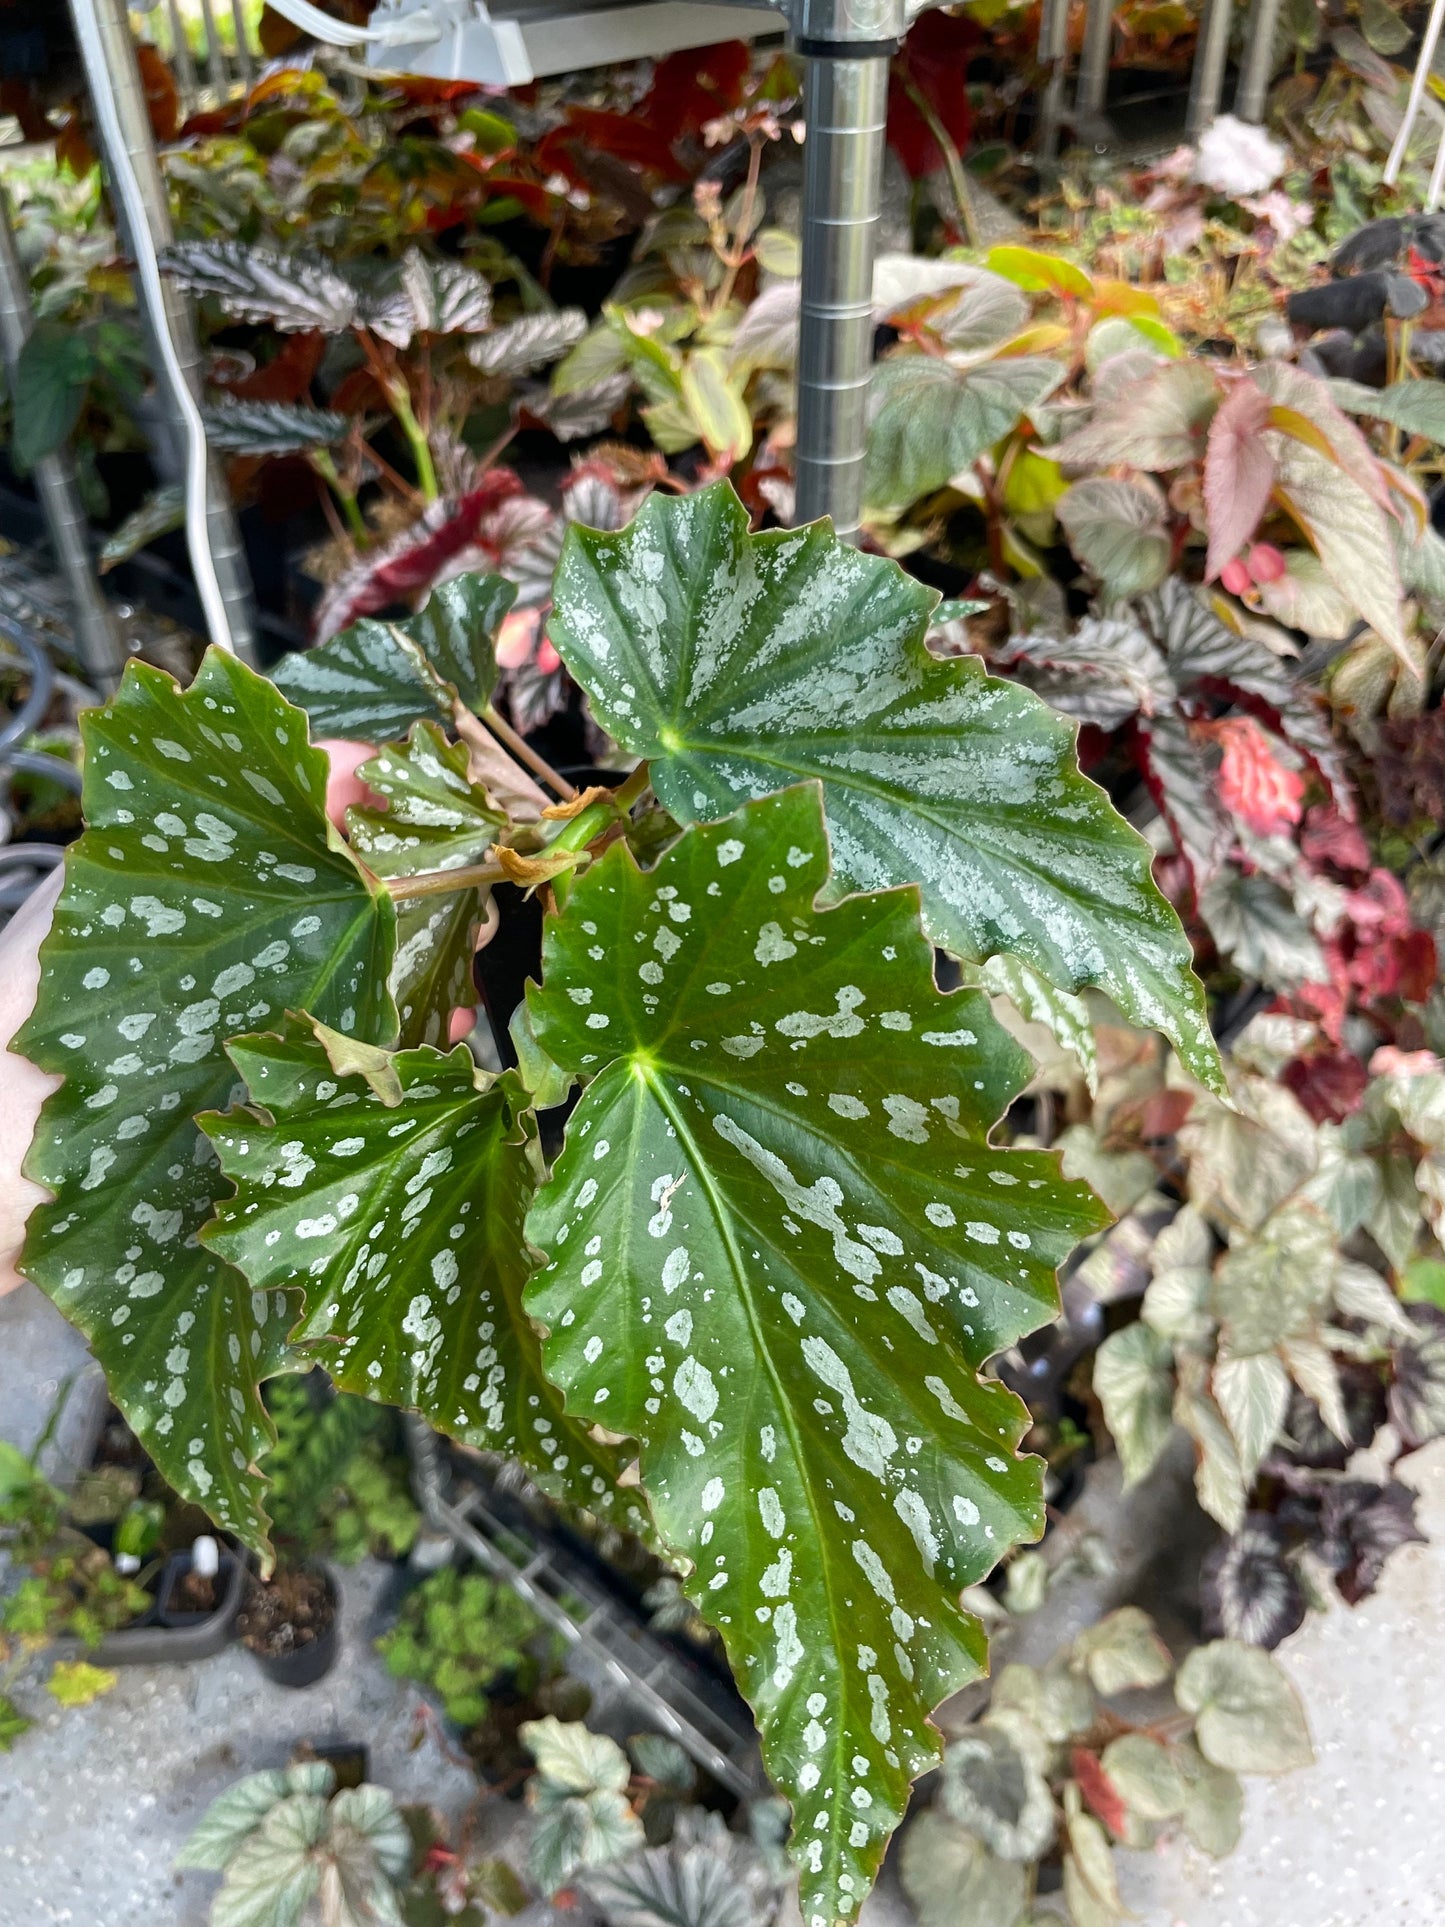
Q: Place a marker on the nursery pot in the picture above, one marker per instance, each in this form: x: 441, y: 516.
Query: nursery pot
x: 291, y: 1625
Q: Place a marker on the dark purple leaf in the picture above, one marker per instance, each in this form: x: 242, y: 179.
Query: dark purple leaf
x: 1249, y: 1589
x: 1417, y: 1395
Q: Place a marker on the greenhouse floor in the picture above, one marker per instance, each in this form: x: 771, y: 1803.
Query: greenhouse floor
x: 95, y: 1802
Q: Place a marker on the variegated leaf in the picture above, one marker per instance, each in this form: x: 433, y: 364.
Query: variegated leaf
x: 436, y: 819
x: 931, y: 421
x: 377, y: 678
x: 740, y: 663
x: 530, y: 342
x: 272, y: 427
x: 781, y: 1248
x: 207, y: 894
x: 390, y: 1189
x: 295, y: 292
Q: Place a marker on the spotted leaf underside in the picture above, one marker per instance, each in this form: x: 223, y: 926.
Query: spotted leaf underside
x: 208, y: 895
x: 435, y: 818
x: 739, y: 664
x: 390, y: 1189
x: 377, y: 678
x: 780, y: 1250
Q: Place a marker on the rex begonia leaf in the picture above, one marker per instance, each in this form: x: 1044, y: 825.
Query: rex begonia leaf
x: 436, y: 819
x: 209, y: 894
x: 780, y: 1250
x: 738, y: 664
x: 391, y: 1188
x: 932, y: 421
x: 377, y: 678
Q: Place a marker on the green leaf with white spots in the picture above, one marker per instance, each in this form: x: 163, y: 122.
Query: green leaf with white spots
x: 436, y: 819
x: 377, y: 678
x: 739, y: 664
x: 208, y: 895
x: 781, y: 1248
x: 390, y: 1188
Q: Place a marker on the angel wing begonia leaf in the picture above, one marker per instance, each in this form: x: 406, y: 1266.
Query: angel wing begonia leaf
x: 738, y: 664
x: 208, y: 894
x: 780, y: 1250
x: 390, y: 1188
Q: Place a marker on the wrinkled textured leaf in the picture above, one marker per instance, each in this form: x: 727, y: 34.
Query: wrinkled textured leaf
x: 718, y: 1193
x: 208, y: 893
x: 738, y: 664
x: 689, y: 1884
x: 1350, y: 533
x: 1416, y: 406
x: 272, y: 427
x: 1213, y: 1802
x: 1255, y: 924
x: 377, y: 678
x: 1117, y: 531
x: 1145, y: 1776
x: 428, y: 296
x: 952, y: 1878
x: 436, y: 819
x: 1134, y: 1383
x: 163, y: 510
x: 394, y: 1197
x: 1156, y: 424
x: 275, y: 1873
x: 578, y: 1833
x: 1238, y: 473
x: 531, y: 341
x: 573, y: 1759
x: 1247, y: 1714
x: 295, y: 293
x: 992, y: 1787
x: 1123, y: 1651
x: 1253, y: 1394
x: 1103, y: 673
x: 241, y: 1808
x: 932, y: 421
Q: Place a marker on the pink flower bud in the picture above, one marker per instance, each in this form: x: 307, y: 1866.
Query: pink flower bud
x: 1266, y: 564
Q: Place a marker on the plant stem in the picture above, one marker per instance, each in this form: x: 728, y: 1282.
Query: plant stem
x: 392, y: 383
x: 952, y: 160
x: 741, y: 248
x: 441, y: 883
x: 326, y: 468
x: 524, y: 753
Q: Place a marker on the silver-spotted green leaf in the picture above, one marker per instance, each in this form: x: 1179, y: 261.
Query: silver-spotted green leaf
x: 394, y: 1198
x: 208, y: 895
x: 931, y: 421
x: 780, y: 1249
x: 738, y: 664
x: 436, y: 819
x: 377, y: 678
x: 1063, y: 1015
x: 1247, y: 1715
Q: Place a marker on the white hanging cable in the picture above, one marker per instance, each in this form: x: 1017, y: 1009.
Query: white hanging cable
x: 1417, y: 95
x: 127, y: 189
x: 411, y: 27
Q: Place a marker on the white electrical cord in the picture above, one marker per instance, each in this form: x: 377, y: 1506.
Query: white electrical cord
x: 411, y: 27
x: 127, y: 189
x: 1417, y: 94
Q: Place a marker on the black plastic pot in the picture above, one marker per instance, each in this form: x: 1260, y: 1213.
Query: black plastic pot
x: 170, y: 1633
x: 304, y: 1665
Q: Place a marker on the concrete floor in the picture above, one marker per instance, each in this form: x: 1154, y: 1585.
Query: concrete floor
x: 95, y: 1802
